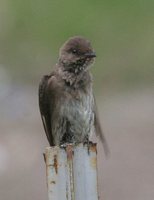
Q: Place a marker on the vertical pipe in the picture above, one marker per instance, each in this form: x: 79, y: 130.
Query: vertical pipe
x: 85, y: 172
x: 72, y: 172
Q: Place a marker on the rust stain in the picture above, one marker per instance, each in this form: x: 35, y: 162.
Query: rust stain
x: 44, y: 156
x: 67, y: 191
x: 52, y: 182
x: 93, y: 162
x: 46, y: 161
x: 55, y: 164
x: 93, y: 147
x: 69, y: 151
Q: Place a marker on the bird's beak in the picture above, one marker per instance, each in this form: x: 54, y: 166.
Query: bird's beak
x: 90, y: 54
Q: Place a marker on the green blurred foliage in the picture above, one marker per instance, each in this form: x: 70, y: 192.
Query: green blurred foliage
x: 122, y: 33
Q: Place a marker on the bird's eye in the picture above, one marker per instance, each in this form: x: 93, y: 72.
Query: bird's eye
x: 74, y: 51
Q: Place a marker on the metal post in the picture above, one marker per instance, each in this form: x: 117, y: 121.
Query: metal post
x: 72, y: 172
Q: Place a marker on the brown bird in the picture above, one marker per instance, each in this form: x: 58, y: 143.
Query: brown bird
x: 66, y: 99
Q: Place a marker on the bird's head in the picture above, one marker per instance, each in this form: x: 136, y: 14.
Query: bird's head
x: 76, y: 55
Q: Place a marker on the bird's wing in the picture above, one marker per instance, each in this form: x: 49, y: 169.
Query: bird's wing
x: 45, y: 107
x: 98, y: 129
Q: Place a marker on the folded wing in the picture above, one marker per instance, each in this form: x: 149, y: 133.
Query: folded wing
x: 98, y: 129
x: 45, y: 105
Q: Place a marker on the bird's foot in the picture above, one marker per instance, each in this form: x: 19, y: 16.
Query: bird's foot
x: 64, y: 145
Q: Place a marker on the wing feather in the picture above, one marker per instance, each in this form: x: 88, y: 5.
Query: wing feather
x: 45, y: 105
x: 98, y: 129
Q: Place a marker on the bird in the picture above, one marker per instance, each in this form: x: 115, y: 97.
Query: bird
x: 66, y: 100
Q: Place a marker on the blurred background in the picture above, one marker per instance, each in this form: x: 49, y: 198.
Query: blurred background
x: 122, y: 33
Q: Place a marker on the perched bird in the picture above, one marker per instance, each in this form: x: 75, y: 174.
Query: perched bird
x: 66, y: 99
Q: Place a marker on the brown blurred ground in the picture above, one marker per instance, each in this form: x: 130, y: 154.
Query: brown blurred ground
x: 128, y: 125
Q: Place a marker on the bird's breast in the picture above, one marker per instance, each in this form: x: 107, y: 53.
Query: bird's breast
x: 79, y: 112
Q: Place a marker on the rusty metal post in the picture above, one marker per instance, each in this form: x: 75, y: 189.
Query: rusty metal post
x: 72, y: 172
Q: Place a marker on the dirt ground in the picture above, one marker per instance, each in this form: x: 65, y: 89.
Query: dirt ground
x: 128, y: 123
